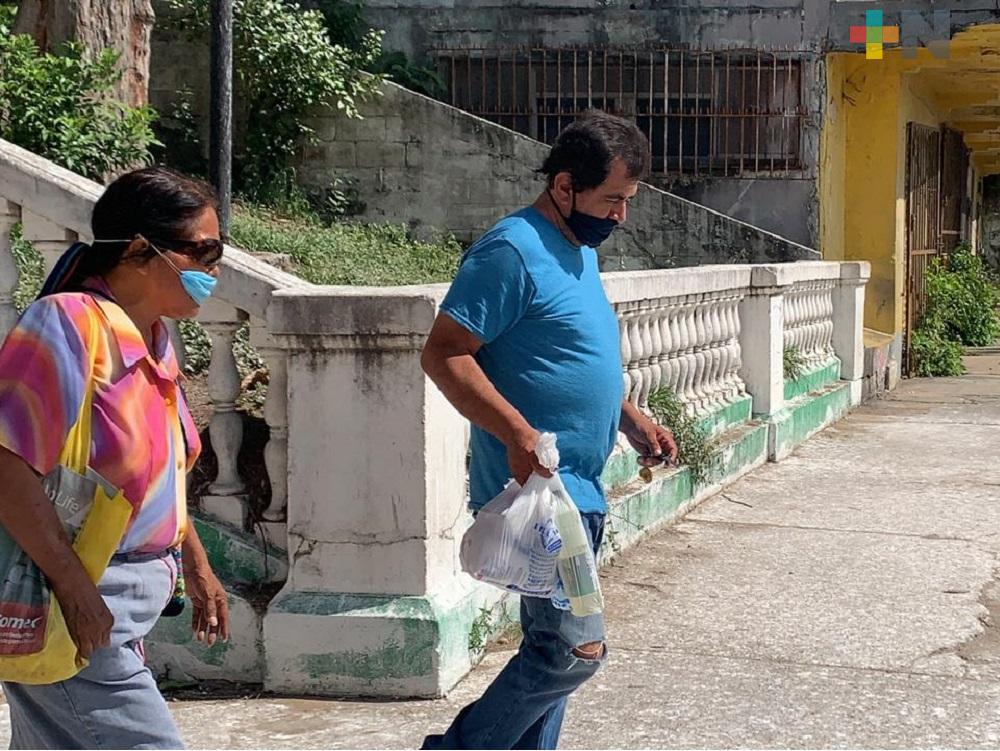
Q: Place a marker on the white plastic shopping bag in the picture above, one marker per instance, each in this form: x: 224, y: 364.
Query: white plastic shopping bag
x: 531, y: 540
x: 513, y: 542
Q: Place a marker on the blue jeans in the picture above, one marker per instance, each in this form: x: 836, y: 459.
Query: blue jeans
x: 524, y: 706
x: 113, y: 702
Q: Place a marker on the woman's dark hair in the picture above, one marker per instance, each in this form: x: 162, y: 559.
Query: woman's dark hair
x: 156, y: 202
x: 587, y: 147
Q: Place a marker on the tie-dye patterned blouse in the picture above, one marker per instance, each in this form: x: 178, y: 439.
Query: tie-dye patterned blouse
x: 143, y: 438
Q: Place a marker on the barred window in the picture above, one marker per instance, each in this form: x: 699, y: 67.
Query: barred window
x: 721, y: 113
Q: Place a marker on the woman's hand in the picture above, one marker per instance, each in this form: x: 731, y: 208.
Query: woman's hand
x: 210, y: 619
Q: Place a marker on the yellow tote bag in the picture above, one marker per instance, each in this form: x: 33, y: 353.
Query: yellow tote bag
x: 35, y: 645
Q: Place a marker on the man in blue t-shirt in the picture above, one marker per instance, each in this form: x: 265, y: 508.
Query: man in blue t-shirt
x: 527, y: 343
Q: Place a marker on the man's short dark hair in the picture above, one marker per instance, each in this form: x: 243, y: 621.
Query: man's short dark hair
x: 587, y: 147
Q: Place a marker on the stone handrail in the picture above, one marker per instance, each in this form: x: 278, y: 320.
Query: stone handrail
x: 54, y: 206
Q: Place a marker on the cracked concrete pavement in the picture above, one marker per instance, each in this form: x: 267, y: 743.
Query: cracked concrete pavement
x: 846, y: 597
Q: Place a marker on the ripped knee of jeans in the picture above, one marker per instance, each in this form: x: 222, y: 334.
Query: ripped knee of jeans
x: 592, y: 651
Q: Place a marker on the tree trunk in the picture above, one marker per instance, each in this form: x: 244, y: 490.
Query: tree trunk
x: 123, y: 25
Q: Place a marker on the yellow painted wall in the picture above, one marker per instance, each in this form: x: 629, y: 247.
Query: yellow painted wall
x: 862, y: 176
x: 863, y: 225
x: 832, y: 167
x: 863, y: 172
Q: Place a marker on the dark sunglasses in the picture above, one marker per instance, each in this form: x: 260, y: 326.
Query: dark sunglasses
x: 208, y: 253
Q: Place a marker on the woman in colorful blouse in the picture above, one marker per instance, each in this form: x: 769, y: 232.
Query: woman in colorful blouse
x: 156, y: 253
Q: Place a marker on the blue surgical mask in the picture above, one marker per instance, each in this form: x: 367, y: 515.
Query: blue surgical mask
x: 197, y: 284
x: 590, y: 230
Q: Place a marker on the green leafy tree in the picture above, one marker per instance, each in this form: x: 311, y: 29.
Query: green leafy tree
x: 60, y: 106
x: 285, y: 66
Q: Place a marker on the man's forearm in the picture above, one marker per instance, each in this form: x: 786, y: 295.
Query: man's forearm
x: 629, y: 417
x: 464, y: 384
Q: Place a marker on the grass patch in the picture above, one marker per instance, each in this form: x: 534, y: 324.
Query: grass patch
x: 793, y: 363
x: 323, y: 253
x: 347, y: 253
x: 695, y: 448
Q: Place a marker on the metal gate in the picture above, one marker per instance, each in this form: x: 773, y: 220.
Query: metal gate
x: 937, y: 167
x: 923, y: 220
x: 954, y: 174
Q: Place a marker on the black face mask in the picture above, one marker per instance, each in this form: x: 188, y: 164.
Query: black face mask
x: 590, y: 230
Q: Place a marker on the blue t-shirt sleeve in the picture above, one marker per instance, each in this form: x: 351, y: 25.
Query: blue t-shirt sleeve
x: 491, y: 292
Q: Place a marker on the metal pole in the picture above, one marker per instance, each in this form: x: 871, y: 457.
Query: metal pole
x: 221, y: 135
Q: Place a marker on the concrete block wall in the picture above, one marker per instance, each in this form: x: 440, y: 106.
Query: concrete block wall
x: 414, y: 26
x: 417, y: 161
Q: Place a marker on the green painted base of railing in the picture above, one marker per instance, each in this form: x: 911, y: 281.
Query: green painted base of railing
x: 173, y: 654
x: 385, y: 646
x: 636, y: 509
x: 805, y: 416
x: 241, y: 563
x: 622, y: 467
x: 238, y: 557
x: 729, y: 416
x: 814, y: 379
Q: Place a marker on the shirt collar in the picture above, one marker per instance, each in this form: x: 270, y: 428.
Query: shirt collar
x: 130, y: 343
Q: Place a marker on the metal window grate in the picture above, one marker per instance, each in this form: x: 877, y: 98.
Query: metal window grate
x: 729, y: 113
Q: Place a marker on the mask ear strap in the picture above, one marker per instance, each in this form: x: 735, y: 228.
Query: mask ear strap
x: 555, y: 205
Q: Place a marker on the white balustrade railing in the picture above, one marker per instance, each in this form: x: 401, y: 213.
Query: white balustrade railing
x: 377, y: 480
x: 808, y: 321
x: 688, y: 343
